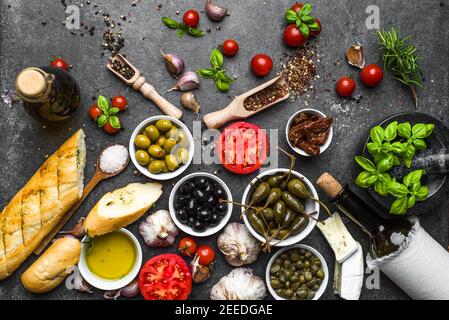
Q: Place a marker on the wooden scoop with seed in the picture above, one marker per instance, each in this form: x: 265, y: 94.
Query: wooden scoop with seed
x: 138, y: 82
x: 248, y: 104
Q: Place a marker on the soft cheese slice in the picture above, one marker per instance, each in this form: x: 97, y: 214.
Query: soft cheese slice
x: 121, y: 207
x: 339, y: 238
x: 348, y: 276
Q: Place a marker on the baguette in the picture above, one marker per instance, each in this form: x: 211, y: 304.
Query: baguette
x: 37, y: 208
x: 121, y: 207
x: 53, y: 266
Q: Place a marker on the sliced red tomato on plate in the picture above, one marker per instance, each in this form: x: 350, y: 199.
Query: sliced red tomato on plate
x: 242, y: 147
x: 165, y: 277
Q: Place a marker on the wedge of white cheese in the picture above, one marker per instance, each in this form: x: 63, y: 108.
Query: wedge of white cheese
x: 339, y: 238
x: 348, y: 276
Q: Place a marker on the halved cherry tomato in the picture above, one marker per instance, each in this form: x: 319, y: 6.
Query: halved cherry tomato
x: 206, y: 255
x: 191, y: 18
x: 293, y: 37
x: 230, y: 48
x: 110, y: 129
x: 165, y: 277
x: 119, y: 102
x: 58, y: 62
x: 242, y: 147
x: 187, y: 246
x: 261, y: 65
x: 94, y: 112
x: 296, y: 7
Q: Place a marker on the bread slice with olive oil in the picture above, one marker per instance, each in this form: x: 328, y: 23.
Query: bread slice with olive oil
x: 121, y: 207
x: 38, y: 207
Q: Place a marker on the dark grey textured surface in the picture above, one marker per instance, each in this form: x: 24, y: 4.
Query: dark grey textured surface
x: 25, y: 41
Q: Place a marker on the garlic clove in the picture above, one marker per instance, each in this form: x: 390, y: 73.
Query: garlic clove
x: 215, y: 12
x: 175, y: 65
x: 355, y: 56
x: 199, y: 272
x: 77, y: 231
x: 186, y: 82
x: 189, y: 101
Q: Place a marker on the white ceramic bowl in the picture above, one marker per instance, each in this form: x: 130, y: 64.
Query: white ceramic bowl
x: 323, y: 285
x: 289, y: 125
x: 185, y: 227
x: 144, y: 170
x: 106, y: 284
x: 310, y: 206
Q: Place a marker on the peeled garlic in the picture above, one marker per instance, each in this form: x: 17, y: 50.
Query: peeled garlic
x: 239, y: 284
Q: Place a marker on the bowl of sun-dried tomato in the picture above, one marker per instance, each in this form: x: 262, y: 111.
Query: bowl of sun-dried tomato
x: 309, y: 132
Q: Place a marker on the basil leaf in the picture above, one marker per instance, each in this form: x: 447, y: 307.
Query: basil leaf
x: 411, y: 202
x: 216, y: 58
x: 222, y: 85
x: 415, y: 186
x: 224, y: 77
x: 306, y: 9
x: 378, y: 157
x: 180, y: 33
x: 366, y: 164
x: 304, y: 29
x: 113, y: 111
x: 366, y: 179
x: 377, y: 134
x: 298, y: 23
x: 420, y: 144
x: 429, y: 128
x: 385, y: 164
x: 391, y: 131
x: 408, y: 163
x: 399, y: 206
x: 194, y: 32
x: 410, y: 152
x: 397, y: 189
x: 385, y: 177
x: 307, y: 19
x: 398, y: 147
x: 405, y: 130
x: 396, y: 160
x: 386, y: 147
x: 381, y: 188
x: 102, y: 120
x: 206, y: 73
x: 373, y: 147
x: 103, y: 104
x: 422, y: 193
x: 115, y: 122
x: 314, y: 26
x: 413, y: 177
x: 419, y: 131
x: 290, y: 16
x: 173, y: 24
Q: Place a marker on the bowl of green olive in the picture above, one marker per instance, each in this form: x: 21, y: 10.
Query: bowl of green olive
x: 161, y: 147
x: 298, y: 272
x: 280, y: 207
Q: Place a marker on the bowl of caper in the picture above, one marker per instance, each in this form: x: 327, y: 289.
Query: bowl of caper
x: 298, y: 272
x: 161, y: 147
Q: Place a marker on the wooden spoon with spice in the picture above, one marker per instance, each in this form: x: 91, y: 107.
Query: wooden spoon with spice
x: 131, y: 76
x: 250, y: 103
x: 112, y: 161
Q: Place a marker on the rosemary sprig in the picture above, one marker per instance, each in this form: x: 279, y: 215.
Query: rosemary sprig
x: 90, y: 242
x: 402, y: 58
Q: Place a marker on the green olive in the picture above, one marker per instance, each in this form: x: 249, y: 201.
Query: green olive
x: 142, y: 142
x: 161, y: 140
x: 152, y: 132
x: 156, y: 166
x: 183, y: 139
x: 275, y: 284
x: 182, y: 155
x: 156, y: 151
x: 171, y: 162
x: 169, y: 144
x: 142, y: 157
x: 173, y: 133
x: 164, y: 125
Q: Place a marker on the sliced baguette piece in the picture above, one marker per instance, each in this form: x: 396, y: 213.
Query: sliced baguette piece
x: 3, y: 270
x: 121, y: 207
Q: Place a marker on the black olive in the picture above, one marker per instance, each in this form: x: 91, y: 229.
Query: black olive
x: 210, y: 202
x: 200, y: 182
x: 191, y: 221
x: 192, y: 206
x: 204, y: 215
x: 180, y: 201
x: 199, y: 195
x: 220, y: 193
x: 214, y: 220
x: 187, y: 188
x: 221, y: 209
x: 199, y: 226
x: 182, y: 216
x: 209, y: 187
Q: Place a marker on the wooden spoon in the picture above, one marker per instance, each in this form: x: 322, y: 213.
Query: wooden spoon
x: 236, y: 109
x: 138, y: 82
x: 99, y: 175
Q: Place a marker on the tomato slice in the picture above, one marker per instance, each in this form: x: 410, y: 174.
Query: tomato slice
x: 165, y: 277
x: 242, y: 147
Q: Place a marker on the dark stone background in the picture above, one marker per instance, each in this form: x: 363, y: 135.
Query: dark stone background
x: 26, y: 41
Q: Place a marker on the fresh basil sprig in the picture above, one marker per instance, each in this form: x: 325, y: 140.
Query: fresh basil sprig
x: 373, y: 175
x: 408, y: 192
x: 222, y: 80
x: 109, y: 114
x: 182, y: 28
x: 303, y: 20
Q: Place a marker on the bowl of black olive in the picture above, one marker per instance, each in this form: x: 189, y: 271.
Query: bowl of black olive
x: 199, y: 204
x: 298, y: 272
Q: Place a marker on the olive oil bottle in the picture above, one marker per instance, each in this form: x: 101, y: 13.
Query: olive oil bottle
x: 48, y: 94
x: 387, y: 236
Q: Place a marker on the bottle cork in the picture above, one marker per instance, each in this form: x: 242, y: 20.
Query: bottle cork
x: 329, y: 185
x: 31, y: 83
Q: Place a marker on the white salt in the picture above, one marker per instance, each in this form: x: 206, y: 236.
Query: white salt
x: 113, y: 158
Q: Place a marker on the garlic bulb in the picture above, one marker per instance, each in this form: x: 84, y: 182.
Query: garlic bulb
x: 158, y: 230
x: 239, y: 284
x: 238, y: 245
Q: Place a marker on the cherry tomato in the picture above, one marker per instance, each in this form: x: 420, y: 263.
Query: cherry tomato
x: 165, y: 277
x: 119, y: 102
x: 371, y: 75
x: 293, y: 37
x: 94, y: 112
x: 187, y: 246
x: 230, y: 48
x: 110, y: 129
x: 58, y: 62
x: 242, y: 147
x: 206, y: 255
x: 345, y: 86
x: 296, y: 7
x: 261, y: 65
x: 314, y: 33
x: 191, y: 18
